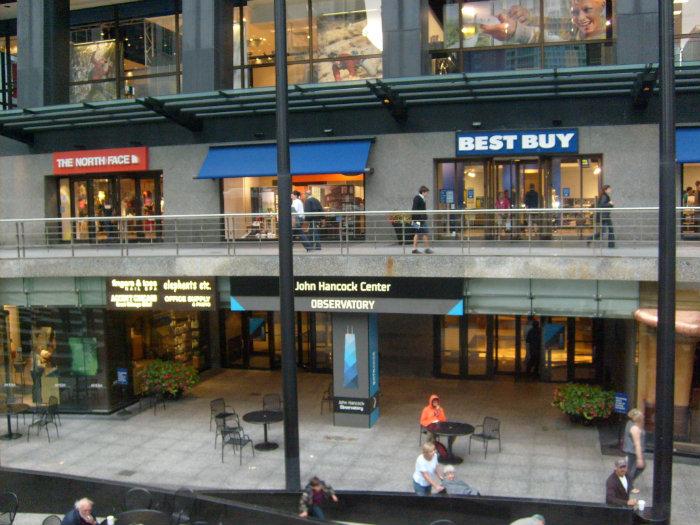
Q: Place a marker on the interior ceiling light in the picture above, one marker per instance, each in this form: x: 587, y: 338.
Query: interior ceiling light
x: 597, y: 170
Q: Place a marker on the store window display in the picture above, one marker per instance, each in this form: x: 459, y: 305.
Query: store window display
x: 686, y: 23
x: 529, y: 29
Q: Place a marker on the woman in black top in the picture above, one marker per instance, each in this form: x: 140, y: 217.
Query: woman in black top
x: 603, y: 219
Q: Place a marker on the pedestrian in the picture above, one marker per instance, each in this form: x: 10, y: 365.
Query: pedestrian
x: 535, y: 519
x: 454, y: 486
x: 603, y: 219
x: 634, y: 443
x: 298, y: 220
x: 533, y: 343
x: 425, y: 475
x: 503, y: 217
x: 532, y: 202
x: 420, y: 220
x: 82, y: 514
x: 316, y: 493
x: 618, y: 486
x: 313, y: 205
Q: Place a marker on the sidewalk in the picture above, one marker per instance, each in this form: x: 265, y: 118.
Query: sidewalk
x: 544, y: 455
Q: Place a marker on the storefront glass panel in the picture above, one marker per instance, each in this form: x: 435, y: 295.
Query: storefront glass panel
x: 322, y: 352
x: 450, y: 355
x: 554, y: 345
x: 477, y: 347
x: 8, y: 71
x: 505, y: 344
x: 65, y: 209
x: 690, y: 197
x: 583, y: 351
x: 80, y: 199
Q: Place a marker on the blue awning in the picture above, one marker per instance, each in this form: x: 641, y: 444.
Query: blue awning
x: 348, y: 157
x: 688, y: 145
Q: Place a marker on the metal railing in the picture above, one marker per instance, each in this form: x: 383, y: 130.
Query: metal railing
x: 576, y: 231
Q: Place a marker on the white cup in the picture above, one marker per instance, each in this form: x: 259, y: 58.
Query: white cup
x: 640, y: 504
x: 110, y: 520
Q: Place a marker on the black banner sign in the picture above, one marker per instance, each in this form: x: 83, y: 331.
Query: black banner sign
x: 353, y: 405
x: 162, y: 293
x: 379, y: 287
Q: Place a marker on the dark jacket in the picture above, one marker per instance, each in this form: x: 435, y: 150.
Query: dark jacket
x: 312, y: 205
x: 419, y: 204
x: 73, y: 518
x: 604, y: 202
x: 307, y: 497
x: 532, y: 199
x: 615, y: 493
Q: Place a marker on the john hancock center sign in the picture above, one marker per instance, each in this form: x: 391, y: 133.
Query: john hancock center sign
x: 161, y: 293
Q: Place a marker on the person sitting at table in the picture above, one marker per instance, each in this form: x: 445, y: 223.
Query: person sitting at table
x: 315, y: 494
x: 454, y: 486
x: 81, y: 514
x: 433, y: 412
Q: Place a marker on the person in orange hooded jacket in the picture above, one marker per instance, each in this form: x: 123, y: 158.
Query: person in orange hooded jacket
x: 433, y: 412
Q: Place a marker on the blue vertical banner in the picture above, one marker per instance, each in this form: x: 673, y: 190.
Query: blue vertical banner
x: 350, y: 376
x: 373, y: 344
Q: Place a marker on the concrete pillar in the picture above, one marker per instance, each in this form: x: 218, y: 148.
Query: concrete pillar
x: 404, y: 23
x: 637, y: 31
x: 207, y: 45
x: 43, y: 64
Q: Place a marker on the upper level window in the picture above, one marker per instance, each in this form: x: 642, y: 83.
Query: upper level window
x: 124, y: 59
x: 686, y: 22
x: 327, y: 41
x: 8, y: 71
x: 466, y: 35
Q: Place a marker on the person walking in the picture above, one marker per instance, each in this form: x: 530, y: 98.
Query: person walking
x: 425, y: 475
x: 533, y: 343
x: 298, y: 220
x: 603, y: 219
x: 316, y: 493
x: 420, y: 220
x: 503, y: 217
x: 532, y: 202
x: 634, y: 443
x: 313, y: 205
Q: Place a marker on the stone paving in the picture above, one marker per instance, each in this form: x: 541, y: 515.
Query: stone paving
x: 543, y: 456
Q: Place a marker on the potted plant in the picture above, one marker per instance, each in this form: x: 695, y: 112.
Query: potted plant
x: 170, y: 378
x: 584, y: 403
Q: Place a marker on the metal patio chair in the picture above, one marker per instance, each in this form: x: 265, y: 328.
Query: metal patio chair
x: 138, y: 498
x: 183, y: 506
x: 272, y: 402
x: 8, y: 508
x: 47, y: 416
x: 218, y: 406
x: 490, y: 431
x: 237, y: 439
x: 225, y: 426
x: 51, y: 520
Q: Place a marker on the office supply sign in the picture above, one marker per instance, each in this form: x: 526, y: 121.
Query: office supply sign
x: 481, y: 143
x: 165, y: 293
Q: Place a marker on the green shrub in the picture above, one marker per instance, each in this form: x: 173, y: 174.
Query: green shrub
x: 587, y: 401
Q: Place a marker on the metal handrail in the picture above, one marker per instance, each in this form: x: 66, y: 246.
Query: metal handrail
x: 454, y: 232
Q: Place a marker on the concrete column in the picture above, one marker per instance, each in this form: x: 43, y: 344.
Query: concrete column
x: 404, y: 22
x: 43, y: 64
x: 207, y: 45
x: 637, y: 31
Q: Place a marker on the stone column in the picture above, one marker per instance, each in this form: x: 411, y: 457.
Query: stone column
x: 404, y: 24
x: 207, y: 45
x: 43, y: 41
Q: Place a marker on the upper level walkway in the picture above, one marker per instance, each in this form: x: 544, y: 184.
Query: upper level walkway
x: 612, y: 244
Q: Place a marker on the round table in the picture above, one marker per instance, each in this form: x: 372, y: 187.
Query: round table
x: 264, y: 417
x: 12, y: 409
x: 451, y: 429
x: 142, y: 517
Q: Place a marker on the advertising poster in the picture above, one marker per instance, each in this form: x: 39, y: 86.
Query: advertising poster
x: 93, y: 62
x: 518, y: 22
x: 346, y: 35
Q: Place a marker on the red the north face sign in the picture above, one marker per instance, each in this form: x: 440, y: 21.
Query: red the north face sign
x: 100, y: 161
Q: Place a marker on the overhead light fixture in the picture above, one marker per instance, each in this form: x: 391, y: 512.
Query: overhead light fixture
x: 471, y: 174
x: 476, y: 124
x: 597, y: 171
x: 329, y: 131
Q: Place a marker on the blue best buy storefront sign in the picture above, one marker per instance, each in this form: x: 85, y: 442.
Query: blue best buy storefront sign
x: 517, y: 142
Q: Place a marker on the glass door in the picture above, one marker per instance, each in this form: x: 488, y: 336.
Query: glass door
x: 64, y: 209
x: 81, y: 208
x: 259, y: 345
x: 322, y: 342
x: 102, y: 206
x: 149, y: 206
x: 479, y: 351
x: 450, y: 347
x: 506, y: 344
x: 128, y: 203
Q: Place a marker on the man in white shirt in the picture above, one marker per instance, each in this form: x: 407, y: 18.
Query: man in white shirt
x: 298, y: 220
x: 618, y: 485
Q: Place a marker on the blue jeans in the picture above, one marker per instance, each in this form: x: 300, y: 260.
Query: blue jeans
x: 317, y: 512
x: 315, y: 235
x: 420, y: 489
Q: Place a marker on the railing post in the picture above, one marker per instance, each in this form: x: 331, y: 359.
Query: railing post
x: 403, y: 237
x: 19, y: 254
x: 347, y: 236
x: 461, y: 231
x: 469, y: 234
x: 177, y: 236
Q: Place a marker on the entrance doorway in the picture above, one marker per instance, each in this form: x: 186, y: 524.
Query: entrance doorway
x: 484, y: 346
x: 126, y: 196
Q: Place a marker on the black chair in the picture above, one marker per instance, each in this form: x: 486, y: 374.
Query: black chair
x: 138, y: 498
x: 183, y: 506
x: 237, y: 439
x: 422, y: 431
x: 51, y: 520
x: 46, y: 417
x: 272, y: 402
x: 490, y: 430
x: 218, y: 406
x: 226, y: 426
x: 8, y: 508
x: 328, y: 398
x: 53, y: 401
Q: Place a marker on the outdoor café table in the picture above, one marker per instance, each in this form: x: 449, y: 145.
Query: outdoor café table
x: 451, y: 429
x: 264, y: 417
x: 12, y: 409
x: 142, y: 517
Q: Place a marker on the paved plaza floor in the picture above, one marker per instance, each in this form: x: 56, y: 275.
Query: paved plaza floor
x: 543, y: 456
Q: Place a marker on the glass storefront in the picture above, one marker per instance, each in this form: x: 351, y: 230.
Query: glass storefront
x: 252, y: 195
x: 120, y: 196
x: 482, y: 346
x: 327, y: 41
x: 686, y: 24
x: 690, y: 197
x: 125, y: 59
x: 494, y: 35
x: 473, y: 184
x: 253, y: 340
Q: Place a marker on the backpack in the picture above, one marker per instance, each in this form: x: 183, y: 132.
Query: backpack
x: 441, y: 449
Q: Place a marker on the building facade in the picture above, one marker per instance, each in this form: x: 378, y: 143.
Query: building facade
x: 126, y: 116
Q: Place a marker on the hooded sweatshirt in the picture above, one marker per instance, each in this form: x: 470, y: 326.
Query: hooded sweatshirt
x: 430, y: 414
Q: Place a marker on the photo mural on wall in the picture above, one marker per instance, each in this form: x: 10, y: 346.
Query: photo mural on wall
x: 93, y: 62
